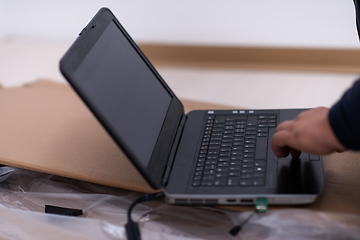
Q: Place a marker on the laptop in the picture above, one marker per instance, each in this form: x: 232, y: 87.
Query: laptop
x: 205, y: 157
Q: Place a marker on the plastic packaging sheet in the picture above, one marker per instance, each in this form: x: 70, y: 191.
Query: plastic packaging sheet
x: 24, y: 194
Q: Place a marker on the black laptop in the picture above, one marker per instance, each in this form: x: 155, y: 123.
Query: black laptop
x: 205, y: 157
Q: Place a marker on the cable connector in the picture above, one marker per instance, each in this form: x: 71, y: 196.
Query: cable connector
x: 261, y: 205
x: 132, y: 228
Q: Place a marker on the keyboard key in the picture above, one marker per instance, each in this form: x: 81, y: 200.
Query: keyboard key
x: 250, y: 145
x: 238, y: 144
x: 228, y: 131
x: 224, y: 154
x: 252, y: 120
x: 259, y: 174
x: 246, y: 175
x: 236, y: 152
x: 247, y: 170
x: 196, y: 183
x: 223, y: 164
x: 217, y: 130
x: 235, y: 168
x: 197, y: 178
x: 225, y: 149
x: 237, y: 148
x: 248, y: 160
x: 227, y: 136
x: 210, y: 162
x: 221, y: 169
x: 219, y: 119
x: 208, y: 177
x: 230, y: 118
x: 250, y: 137
x: 209, y: 167
x: 233, y: 181
x: 220, y: 181
x: 262, y: 134
x: 262, y: 130
x: 258, y: 181
x: 213, y: 147
x: 234, y: 173
x: 221, y: 174
x: 209, y: 171
x: 238, y: 163
x: 259, y: 169
x: 207, y: 183
x: 250, y: 132
x: 223, y: 159
x: 212, y: 139
x: 250, y: 150
x: 245, y: 182
x: 247, y: 165
x: 239, y: 130
x: 260, y: 163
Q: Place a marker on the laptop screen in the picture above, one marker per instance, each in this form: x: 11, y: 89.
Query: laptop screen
x: 132, y: 100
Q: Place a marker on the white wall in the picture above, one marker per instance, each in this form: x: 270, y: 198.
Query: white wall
x: 289, y: 23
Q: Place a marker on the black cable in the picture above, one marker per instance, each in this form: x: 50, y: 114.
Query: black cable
x: 236, y: 229
x: 132, y: 228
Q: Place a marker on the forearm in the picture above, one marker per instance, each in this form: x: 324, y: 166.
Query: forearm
x: 344, y: 118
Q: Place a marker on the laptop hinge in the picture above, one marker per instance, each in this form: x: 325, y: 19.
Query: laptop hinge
x: 173, y: 150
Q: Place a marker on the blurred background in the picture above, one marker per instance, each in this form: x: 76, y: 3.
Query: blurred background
x: 231, y: 52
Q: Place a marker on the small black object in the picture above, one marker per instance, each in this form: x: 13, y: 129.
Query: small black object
x: 235, y: 230
x: 132, y: 231
x: 63, y: 211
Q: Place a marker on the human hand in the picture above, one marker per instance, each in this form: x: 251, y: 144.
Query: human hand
x: 310, y: 132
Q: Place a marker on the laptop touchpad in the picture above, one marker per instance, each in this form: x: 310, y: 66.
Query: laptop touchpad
x: 299, y: 175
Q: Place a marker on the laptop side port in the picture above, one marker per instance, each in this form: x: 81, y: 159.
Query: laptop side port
x: 231, y: 200
x: 247, y: 200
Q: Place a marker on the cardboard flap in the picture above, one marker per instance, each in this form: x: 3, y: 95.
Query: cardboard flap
x: 46, y: 127
x: 52, y: 131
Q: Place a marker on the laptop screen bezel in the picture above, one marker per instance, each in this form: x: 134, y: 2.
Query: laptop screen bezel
x: 153, y: 172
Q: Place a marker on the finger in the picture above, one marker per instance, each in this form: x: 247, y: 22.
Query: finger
x: 284, y: 125
x: 278, y: 144
x: 294, y: 153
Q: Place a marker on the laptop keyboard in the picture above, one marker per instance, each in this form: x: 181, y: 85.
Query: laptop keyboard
x: 233, y: 151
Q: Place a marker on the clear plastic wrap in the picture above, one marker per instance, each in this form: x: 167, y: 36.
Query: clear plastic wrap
x: 23, y: 196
